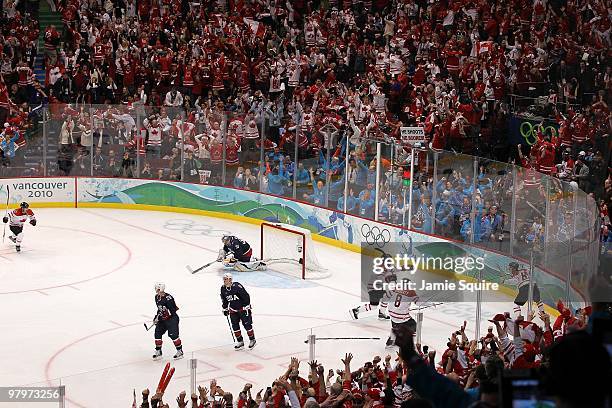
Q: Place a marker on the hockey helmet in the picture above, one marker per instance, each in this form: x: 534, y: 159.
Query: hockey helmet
x: 227, y: 275
x: 225, y: 238
x: 24, y: 205
x: 513, y: 265
x: 160, y: 287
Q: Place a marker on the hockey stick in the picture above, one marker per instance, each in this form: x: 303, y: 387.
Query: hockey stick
x: 190, y: 269
x: 6, y: 212
x: 425, y: 307
x: 230, y: 327
x: 153, y: 323
x: 345, y: 338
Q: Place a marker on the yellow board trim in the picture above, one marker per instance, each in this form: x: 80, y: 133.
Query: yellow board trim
x: 241, y: 218
x: 35, y: 205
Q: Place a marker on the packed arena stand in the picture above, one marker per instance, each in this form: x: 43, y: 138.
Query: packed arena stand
x: 306, y: 100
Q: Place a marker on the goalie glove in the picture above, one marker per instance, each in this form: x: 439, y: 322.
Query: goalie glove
x: 221, y: 255
x: 229, y: 261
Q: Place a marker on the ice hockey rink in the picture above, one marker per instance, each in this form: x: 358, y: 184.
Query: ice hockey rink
x: 75, y: 299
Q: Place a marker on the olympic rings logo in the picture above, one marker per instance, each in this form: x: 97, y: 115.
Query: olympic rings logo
x: 190, y: 227
x: 530, y: 132
x: 375, y: 236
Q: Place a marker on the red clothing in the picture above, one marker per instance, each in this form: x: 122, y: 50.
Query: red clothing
x: 546, y: 160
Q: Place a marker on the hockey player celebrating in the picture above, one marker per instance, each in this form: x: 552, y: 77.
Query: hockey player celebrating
x: 238, y: 254
x: 379, y: 298
x: 236, y: 304
x: 520, y: 277
x: 16, y: 219
x: 166, y: 320
x: 399, y: 309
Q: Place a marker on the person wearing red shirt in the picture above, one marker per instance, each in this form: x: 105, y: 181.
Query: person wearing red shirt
x: 546, y: 160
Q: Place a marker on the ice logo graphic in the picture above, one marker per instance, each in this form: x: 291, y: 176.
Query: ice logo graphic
x: 190, y: 227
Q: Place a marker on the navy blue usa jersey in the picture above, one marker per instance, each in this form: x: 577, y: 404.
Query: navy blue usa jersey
x: 235, y: 297
x: 236, y: 246
x: 166, y: 307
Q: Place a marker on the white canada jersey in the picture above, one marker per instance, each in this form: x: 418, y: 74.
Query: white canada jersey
x: 399, y: 305
x: 19, y: 217
x: 520, y: 278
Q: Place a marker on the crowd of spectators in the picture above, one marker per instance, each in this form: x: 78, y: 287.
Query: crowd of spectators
x: 226, y: 92
x: 185, y: 87
x: 562, y: 360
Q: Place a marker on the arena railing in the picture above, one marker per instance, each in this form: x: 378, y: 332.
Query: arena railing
x: 538, y: 219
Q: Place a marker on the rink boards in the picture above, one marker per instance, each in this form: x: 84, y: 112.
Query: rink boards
x: 342, y: 230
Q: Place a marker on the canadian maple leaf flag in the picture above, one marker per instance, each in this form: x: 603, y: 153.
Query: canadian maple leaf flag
x: 256, y: 27
x: 484, y: 46
x: 187, y: 128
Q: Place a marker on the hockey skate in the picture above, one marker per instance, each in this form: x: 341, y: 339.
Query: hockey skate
x: 13, y: 239
x: 18, y: 248
x: 354, y: 313
x: 178, y: 355
x: 252, y: 343
x: 390, y: 343
x: 382, y: 316
x: 157, y: 355
x: 239, y: 345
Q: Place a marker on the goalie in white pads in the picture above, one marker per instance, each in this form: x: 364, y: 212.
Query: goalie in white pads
x: 237, y: 254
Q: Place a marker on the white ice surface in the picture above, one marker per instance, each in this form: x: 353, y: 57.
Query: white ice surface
x: 74, y: 302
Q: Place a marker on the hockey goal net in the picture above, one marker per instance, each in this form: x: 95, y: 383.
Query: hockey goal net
x: 292, y: 246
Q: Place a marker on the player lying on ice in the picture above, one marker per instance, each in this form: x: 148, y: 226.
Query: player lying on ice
x: 237, y: 254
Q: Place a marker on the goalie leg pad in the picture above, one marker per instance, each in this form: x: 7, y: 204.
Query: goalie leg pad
x: 250, y: 266
x: 229, y: 262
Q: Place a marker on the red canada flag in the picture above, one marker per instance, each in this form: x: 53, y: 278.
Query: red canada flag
x: 484, y: 46
x: 256, y: 27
